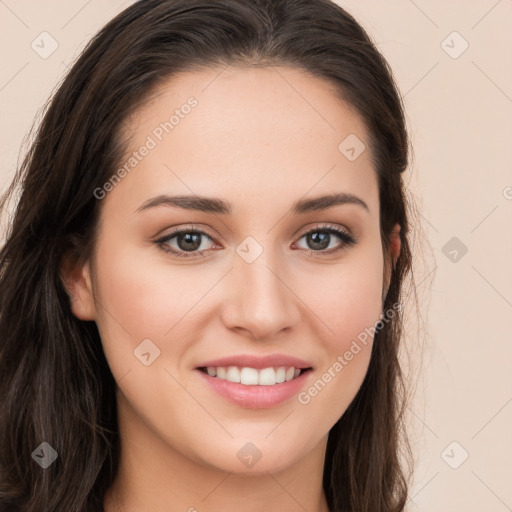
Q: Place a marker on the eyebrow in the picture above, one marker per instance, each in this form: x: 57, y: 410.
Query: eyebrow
x: 215, y: 205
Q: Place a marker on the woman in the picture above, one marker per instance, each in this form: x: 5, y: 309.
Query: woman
x: 201, y: 283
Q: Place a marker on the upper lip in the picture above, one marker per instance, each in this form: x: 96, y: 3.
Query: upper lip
x: 258, y: 362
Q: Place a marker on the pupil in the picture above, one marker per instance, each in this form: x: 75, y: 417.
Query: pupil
x: 319, y: 238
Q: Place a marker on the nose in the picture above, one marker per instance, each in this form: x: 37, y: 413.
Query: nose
x: 259, y: 301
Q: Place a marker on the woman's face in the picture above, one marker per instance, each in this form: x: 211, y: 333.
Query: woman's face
x: 248, y: 151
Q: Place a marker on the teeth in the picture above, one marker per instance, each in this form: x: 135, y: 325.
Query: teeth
x: 251, y: 376
x: 233, y: 374
x: 267, y: 377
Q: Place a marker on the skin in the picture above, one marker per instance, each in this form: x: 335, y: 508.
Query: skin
x: 259, y: 139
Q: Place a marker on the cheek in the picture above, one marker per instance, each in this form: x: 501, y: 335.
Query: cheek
x: 347, y: 301
x: 347, y: 311
x: 140, y: 298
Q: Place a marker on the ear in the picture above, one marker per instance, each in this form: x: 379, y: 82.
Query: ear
x: 390, y: 259
x: 76, y: 278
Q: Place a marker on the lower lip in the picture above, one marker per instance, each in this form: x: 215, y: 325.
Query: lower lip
x: 255, y: 396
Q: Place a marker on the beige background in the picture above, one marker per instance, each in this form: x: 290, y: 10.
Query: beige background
x: 459, y: 116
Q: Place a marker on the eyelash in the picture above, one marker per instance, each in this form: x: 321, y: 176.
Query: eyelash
x: 347, y: 239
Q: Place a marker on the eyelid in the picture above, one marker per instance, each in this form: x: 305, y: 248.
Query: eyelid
x: 188, y: 228
x: 324, y: 225
x: 347, y: 238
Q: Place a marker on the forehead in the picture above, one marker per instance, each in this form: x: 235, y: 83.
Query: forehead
x: 259, y: 129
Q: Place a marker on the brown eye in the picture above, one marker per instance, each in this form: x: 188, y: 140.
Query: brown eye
x: 184, y: 242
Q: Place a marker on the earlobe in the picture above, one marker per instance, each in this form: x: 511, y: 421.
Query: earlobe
x: 77, y: 281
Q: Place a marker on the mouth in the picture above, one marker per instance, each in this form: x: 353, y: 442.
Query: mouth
x: 248, y: 376
x: 256, y: 381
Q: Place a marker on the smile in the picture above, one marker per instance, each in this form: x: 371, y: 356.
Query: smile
x: 254, y: 377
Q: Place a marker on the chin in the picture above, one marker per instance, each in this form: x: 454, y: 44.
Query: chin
x: 257, y: 457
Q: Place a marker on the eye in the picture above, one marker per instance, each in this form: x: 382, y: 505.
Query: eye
x: 188, y: 242
x: 319, y: 239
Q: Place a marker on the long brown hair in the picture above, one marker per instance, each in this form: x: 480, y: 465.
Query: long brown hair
x: 55, y: 383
